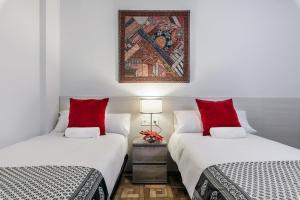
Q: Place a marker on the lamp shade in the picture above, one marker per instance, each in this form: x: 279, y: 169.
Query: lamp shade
x: 151, y: 106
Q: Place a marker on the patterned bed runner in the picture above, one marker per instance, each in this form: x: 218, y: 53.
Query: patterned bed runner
x: 250, y: 180
x: 52, y: 182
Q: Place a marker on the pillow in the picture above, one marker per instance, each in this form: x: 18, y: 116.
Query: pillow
x: 228, y: 132
x: 88, y: 113
x: 187, y: 121
x: 118, y: 123
x: 242, y: 115
x: 217, y: 114
x: 90, y: 132
x: 63, y: 121
x: 114, y: 123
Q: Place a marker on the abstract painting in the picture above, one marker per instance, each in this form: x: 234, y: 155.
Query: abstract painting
x: 154, y: 46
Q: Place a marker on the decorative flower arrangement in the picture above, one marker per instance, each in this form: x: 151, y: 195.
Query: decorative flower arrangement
x: 152, y: 136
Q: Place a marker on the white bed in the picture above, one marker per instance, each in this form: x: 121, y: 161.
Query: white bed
x: 105, y: 153
x: 193, y: 153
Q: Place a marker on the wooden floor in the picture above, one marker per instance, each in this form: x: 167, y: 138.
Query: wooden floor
x: 173, y: 190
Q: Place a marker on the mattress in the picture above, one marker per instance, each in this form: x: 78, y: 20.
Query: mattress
x: 105, y: 153
x: 193, y: 153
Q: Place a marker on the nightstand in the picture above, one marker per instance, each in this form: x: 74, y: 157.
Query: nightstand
x: 149, y: 162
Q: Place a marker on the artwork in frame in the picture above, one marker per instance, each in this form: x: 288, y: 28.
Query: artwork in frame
x: 154, y: 46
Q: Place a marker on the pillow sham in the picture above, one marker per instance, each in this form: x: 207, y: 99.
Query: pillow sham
x: 242, y: 115
x: 88, y: 113
x: 114, y: 123
x: 189, y: 121
x: 88, y: 132
x: 217, y: 114
x: 118, y: 123
x: 228, y: 132
x: 62, y: 122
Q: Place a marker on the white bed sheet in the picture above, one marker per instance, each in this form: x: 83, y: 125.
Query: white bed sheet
x: 193, y: 153
x: 105, y: 153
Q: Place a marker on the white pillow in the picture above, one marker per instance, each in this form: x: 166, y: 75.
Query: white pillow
x: 189, y: 121
x: 242, y: 115
x: 228, y: 132
x: 63, y: 121
x: 86, y: 132
x: 114, y: 123
x: 118, y: 123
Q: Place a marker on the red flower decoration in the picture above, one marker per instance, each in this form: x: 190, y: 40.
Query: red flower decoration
x: 152, y: 136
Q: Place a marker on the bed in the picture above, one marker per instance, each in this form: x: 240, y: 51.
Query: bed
x: 244, y: 168
x: 49, y: 158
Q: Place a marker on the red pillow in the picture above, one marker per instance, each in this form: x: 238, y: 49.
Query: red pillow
x: 88, y: 113
x: 217, y: 114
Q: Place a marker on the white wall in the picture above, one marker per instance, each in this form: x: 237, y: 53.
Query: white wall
x: 29, y: 69
x: 52, y: 63
x: 239, y: 48
x: 19, y: 70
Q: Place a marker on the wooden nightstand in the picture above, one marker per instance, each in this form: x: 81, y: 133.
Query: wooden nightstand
x: 149, y: 162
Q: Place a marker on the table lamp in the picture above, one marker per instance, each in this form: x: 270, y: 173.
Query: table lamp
x: 151, y: 106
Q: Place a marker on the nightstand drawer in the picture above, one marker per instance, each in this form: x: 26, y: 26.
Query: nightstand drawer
x: 149, y: 174
x: 150, y: 154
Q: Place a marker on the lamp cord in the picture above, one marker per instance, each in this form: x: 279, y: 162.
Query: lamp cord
x: 160, y: 129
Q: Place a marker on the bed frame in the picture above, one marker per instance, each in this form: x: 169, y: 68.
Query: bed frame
x: 119, y: 177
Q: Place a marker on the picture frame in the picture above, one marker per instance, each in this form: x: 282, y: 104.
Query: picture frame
x: 154, y: 46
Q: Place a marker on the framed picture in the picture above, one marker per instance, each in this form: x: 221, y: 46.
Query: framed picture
x: 154, y: 46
